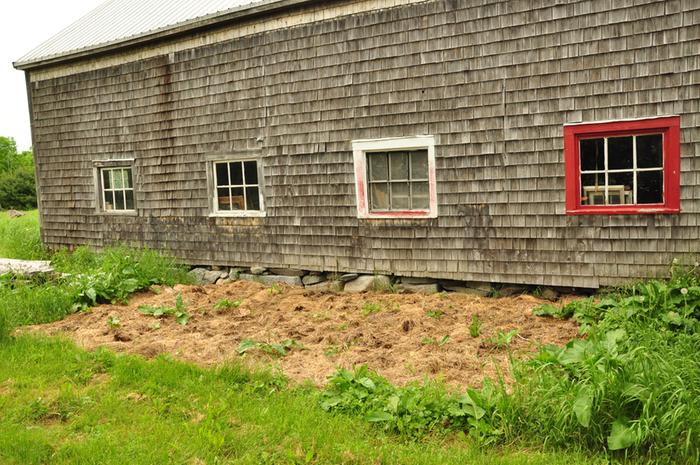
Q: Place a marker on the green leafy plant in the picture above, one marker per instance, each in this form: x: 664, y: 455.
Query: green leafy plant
x: 275, y: 289
x: 179, y: 312
x: 369, y: 308
x: 432, y: 341
x: 113, y: 322
x: 277, y: 349
x: 435, y: 313
x: 502, y: 340
x: 226, y: 304
x: 475, y: 326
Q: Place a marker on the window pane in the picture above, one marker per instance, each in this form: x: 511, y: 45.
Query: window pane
x: 237, y: 199
x: 620, y: 153
x: 378, y: 166
x: 398, y: 165
x: 106, y: 181
x: 420, y: 199
x: 251, y: 173
x: 650, y: 187
x: 650, y: 151
x: 117, y: 179
x: 236, y: 173
x: 109, y: 200
x: 400, y: 200
x: 223, y: 199
x: 419, y: 164
x: 592, y: 154
x: 128, y: 182
x: 221, y: 174
x: 119, y: 200
x: 379, y: 196
x: 129, y: 200
x: 620, y: 188
x: 252, y: 195
x: 593, y: 189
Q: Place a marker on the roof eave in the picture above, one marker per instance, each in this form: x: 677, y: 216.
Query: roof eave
x: 265, y: 7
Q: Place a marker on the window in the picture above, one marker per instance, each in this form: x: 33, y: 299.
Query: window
x: 237, y: 188
x: 396, y: 177
x: 117, y: 189
x: 623, y: 166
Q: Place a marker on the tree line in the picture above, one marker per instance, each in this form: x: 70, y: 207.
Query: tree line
x: 17, y: 181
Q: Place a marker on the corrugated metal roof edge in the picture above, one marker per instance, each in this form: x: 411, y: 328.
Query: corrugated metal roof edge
x: 264, y: 7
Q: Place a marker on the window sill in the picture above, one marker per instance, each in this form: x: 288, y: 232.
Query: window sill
x: 623, y: 210
x: 398, y: 215
x: 248, y: 214
x: 118, y: 213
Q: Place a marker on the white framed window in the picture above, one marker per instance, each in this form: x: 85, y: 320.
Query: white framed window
x: 115, y: 186
x: 236, y: 188
x: 395, y: 177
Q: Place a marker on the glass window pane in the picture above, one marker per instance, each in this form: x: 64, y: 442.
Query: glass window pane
x: 109, y: 201
x: 650, y: 187
x: 593, y: 189
x: 128, y: 182
x: 236, y: 169
x: 592, y: 154
x: 620, y: 188
x: 400, y: 199
x: 237, y: 199
x: 398, y: 166
x: 379, y: 196
x: 251, y: 173
x: 378, y: 166
x: 650, y: 151
x: 419, y: 164
x: 420, y: 198
x: 106, y: 181
x: 223, y: 199
x: 119, y: 200
x: 620, y: 153
x: 252, y: 195
x: 129, y: 200
x: 221, y: 174
x: 117, y: 179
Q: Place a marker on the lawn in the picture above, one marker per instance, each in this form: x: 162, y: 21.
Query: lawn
x: 19, y: 237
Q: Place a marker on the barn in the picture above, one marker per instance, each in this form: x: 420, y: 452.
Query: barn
x: 530, y: 142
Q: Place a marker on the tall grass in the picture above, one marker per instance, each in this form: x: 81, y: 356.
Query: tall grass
x: 88, y: 278
x: 19, y: 237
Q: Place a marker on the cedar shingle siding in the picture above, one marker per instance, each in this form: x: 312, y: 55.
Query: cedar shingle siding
x: 493, y: 81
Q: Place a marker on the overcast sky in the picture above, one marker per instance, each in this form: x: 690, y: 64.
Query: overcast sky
x: 28, y: 23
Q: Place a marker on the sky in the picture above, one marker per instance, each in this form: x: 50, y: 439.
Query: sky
x: 27, y: 24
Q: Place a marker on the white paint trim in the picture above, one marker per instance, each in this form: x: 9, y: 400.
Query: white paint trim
x: 621, y: 120
x: 361, y: 147
x: 241, y: 157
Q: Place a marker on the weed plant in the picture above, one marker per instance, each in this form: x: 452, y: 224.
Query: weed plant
x: 19, y: 237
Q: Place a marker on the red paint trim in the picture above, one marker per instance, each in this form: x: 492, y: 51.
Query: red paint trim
x: 669, y: 126
x: 398, y: 213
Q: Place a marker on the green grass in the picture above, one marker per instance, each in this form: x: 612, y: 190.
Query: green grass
x: 19, y: 237
x: 62, y: 405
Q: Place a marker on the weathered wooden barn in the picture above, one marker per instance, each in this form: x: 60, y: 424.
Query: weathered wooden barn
x: 516, y: 141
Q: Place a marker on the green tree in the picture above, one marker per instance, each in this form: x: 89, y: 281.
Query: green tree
x: 17, y: 185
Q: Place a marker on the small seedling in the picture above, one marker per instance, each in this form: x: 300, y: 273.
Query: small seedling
x: 277, y: 349
x: 226, y: 304
x: 426, y: 341
x: 475, y: 326
x: 179, y: 312
x: 502, y: 340
x: 370, y: 307
x: 113, y: 322
x: 275, y: 289
x: 343, y: 327
x: 435, y: 313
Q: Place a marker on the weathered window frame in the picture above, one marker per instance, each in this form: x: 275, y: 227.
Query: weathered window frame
x: 236, y: 157
x: 360, y: 150
x: 667, y: 126
x: 110, y: 165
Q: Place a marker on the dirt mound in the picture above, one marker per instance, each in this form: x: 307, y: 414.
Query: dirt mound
x: 404, y: 337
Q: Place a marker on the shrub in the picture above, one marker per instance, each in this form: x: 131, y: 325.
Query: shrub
x: 18, y: 189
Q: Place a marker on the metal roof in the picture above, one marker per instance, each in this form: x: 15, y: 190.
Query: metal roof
x: 118, y: 21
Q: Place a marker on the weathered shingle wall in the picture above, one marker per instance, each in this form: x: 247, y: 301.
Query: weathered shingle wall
x: 494, y: 81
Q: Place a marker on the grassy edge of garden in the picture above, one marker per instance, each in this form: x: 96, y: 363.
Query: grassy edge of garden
x: 603, y: 394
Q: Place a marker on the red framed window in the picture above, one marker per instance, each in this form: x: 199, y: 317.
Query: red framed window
x: 623, y: 167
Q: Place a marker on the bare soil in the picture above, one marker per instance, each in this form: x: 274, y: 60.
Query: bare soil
x: 394, y: 334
